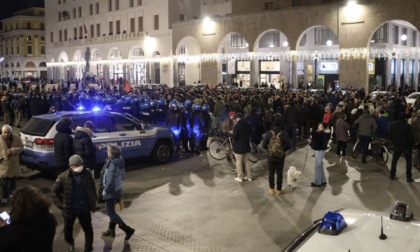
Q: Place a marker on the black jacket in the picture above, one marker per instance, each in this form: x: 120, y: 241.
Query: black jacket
x: 241, y: 133
x: 401, y: 134
x: 319, y: 139
x: 35, y: 235
x: 63, y: 145
x: 83, y: 146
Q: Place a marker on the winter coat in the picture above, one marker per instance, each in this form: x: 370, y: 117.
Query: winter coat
x: 219, y: 107
x: 341, y: 130
x: 112, y: 176
x: 401, y: 134
x: 291, y: 115
x: 35, y: 235
x: 382, y: 123
x: 319, y: 140
x: 241, y: 133
x: 285, y: 140
x: 366, y: 125
x: 83, y: 146
x: 9, y: 167
x: 63, y: 145
x: 62, y: 191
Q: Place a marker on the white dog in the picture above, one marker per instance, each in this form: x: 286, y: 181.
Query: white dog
x: 293, y: 175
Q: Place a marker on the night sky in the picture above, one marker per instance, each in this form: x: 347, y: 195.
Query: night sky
x: 7, y: 7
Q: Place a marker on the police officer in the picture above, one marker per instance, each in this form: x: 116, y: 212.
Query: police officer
x: 153, y: 105
x: 161, y: 111
x: 173, y: 122
x: 205, y: 108
x: 197, y: 125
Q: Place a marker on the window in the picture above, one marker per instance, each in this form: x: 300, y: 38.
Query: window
x: 131, y: 3
x: 404, y: 41
x: 75, y: 33
x: 414, y: 38
x: 97, y: 8
x: 80, y: 12
x: 115, y: 53
x: 51, y: 37
x: 110, y: 30
x: 132, y: 25
x: 42, y: 26
x: 28, y: 38
x: 42, y: 38
x: 11, y: 51
x: 137, y: 52
x: 90, y: 9
x: 381, y: 34
x: 182, y: 50
x: 117, y: 4
x: 65, y: 35
x: 123, y: 124
x: 117, y: 24
x: 139, y: 2
x: 42, y: 49
x: 156, y: 22
x: 270, y: 39
x: 182, y: 17
x: 92, y: 31
x: 98, y: 30
x: 109, y: 5
x: 80, y: 32
x: 29, y: 49
x: 303, y: 41
x: 322, y: 35
x: 140, y: 24
x: 395, y: 33
x: 74, y: 13
x: 237, y: 40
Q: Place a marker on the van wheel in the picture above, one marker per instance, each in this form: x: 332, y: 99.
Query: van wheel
x: 161, y: 152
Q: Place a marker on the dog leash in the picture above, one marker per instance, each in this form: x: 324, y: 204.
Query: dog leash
x: 306, y: 157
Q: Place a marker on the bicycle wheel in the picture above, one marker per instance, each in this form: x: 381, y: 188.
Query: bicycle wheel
x: 356, y: 149
x: 254, y: 154
x: 381, y: 155
x: 218, y: 150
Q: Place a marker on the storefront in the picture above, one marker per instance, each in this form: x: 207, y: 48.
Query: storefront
x: 270, y: 73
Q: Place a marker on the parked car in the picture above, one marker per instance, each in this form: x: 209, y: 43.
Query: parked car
x: 359, y: 230
x: 137, y: 139
x: 385, y: 94
x: 411, y: 98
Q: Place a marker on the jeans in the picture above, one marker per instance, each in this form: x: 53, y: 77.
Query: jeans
x: 8, y: 186
x: 275, y: 167
x: 319, y: 177
x: 85, y: 221
x: 113, y: 216
x: 292, y: 132
x: 398, y: 150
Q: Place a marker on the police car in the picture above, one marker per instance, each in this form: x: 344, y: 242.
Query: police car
x: 357, y: 230
x: 137, y: 139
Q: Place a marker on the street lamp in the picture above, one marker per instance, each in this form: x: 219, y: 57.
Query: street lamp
x: 404, y: 37
x: 352, y: 3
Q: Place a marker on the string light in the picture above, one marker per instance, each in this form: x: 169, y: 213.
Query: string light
x: 342, y: 54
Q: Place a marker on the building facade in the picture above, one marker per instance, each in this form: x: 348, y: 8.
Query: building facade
x: 113, y: 39
x: 324, y: 44
x: 22, y: 45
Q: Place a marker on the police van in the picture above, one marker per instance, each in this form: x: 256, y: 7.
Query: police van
x: 137, y: 139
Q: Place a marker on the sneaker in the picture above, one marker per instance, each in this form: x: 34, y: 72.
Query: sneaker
x: 70, y: 248
x: 417, y: 180
x: 279, y: 192
x: 248, y: 179
x: 271, y: 192
x: 238, y: 179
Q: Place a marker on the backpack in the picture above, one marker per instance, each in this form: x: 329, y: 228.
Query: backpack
x: 275, y: 146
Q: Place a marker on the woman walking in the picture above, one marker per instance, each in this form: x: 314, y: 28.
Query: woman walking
x: 111, y: 189
x: 319, y: 144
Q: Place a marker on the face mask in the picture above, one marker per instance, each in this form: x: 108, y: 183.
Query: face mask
x: 78, y: 169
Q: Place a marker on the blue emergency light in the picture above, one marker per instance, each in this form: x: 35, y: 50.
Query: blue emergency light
x: 80, y: 108
x: 332, y: 224
x: 96, y: 109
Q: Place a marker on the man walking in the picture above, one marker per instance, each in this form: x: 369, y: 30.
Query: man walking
x: 366, y: 125
x: 402, y: 137
x: 74, y: 193
x: 241, y: 147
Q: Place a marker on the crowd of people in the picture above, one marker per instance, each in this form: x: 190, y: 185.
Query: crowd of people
x: 274, y: 119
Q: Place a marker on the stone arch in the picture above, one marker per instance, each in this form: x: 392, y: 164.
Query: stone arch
x: 188, y: 66
x: 78, y: 55
x: 30, y: 64
x: 63, y: 57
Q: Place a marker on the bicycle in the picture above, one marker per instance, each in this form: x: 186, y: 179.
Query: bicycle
x: 220, y: 148
x: 377, y: 150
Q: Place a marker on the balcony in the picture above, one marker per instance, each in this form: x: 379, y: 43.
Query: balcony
x: 102, y: 39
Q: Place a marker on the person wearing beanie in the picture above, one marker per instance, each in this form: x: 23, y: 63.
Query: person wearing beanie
x: 74, y: 193
x: 402, y: 137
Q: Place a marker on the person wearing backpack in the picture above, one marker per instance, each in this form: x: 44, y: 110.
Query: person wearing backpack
x: 277, y: 142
